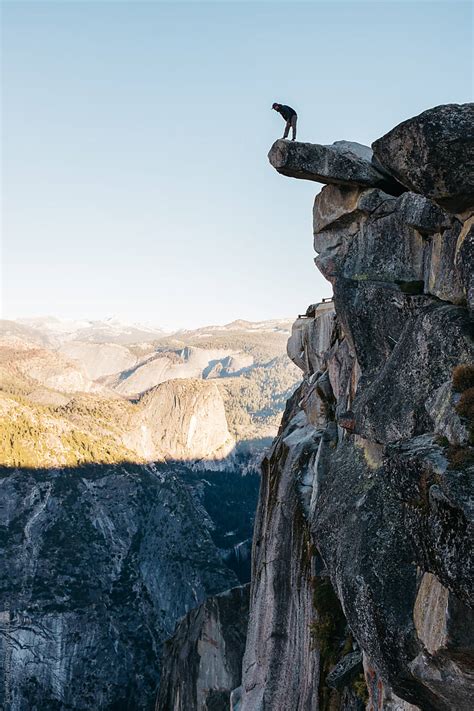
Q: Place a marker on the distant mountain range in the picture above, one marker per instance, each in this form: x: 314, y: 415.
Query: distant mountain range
x: 109, y: 330
x: 114, y: 330
x: 106, y: 391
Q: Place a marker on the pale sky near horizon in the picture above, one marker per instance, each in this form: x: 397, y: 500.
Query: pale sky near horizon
x: 135, y: 134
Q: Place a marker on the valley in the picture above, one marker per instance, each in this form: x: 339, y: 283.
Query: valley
x: 129, y: 483
x: 75, y: 394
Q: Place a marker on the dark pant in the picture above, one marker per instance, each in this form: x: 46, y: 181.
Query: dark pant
x: 291, y: 123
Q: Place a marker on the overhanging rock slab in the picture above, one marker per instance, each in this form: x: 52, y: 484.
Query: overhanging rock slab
x: 342, y: 163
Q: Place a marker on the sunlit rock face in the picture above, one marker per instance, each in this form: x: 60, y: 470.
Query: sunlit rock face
x: 186, y: 420
x: 362, y: 556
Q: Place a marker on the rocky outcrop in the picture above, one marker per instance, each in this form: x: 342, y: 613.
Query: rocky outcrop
x: 185, y: 420
x: 363, y: 538
x: 433, y: 154
x: 202, y: 661
x: 97, y: 564
x: 342, y: 163
x: 310, y: 336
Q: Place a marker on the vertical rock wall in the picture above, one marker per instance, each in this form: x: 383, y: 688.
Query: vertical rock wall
x: 362, y: 554
x: 98, y: 562
x: 202, y: 661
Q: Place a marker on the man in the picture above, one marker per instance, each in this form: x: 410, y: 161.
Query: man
x: 290, y: 117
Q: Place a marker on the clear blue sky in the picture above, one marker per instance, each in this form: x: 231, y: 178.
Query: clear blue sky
x: 135, y: 136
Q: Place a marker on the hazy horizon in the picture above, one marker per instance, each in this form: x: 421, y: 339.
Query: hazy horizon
x: 135, y: 134
x: 169, y: 327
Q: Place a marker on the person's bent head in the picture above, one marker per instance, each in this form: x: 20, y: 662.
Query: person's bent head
x: 276, y: 106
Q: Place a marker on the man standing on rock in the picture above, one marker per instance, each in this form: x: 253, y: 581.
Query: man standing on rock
x: 290, y: 117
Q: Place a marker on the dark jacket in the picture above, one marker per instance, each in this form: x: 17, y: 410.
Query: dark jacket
x: 287, y: 112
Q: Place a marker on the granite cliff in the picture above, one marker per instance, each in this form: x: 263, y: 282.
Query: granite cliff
x: 202, y: 661
x: 98, y: 562
x: 361, y: 593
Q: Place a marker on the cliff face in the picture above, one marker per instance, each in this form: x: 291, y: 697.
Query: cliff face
x: 185, y: 420
x: 97, y: 565
x: 202, y: 661
x: 362, y: 583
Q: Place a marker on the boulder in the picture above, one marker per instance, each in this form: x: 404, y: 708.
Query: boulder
x: 422, y: 214
x: 433, y: 154
x: 342, y: 163
x: 352, y: 241
x: 336, y: 205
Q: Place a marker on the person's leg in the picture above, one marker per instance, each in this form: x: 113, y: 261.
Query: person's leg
x: 287, y: 129
x: 293, y: 126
